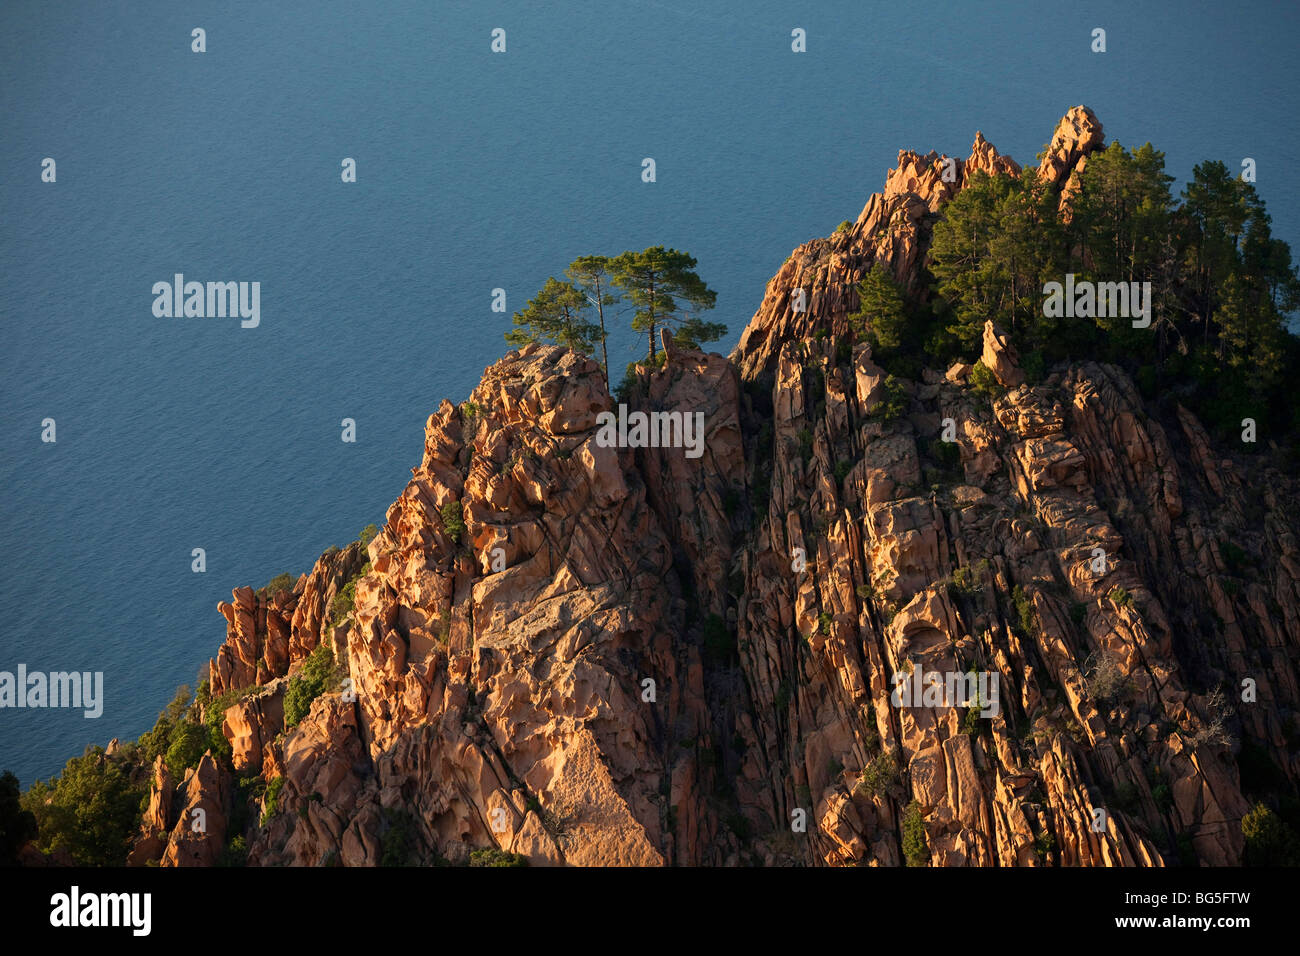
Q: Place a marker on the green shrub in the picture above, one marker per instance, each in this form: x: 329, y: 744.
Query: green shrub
x: 235, y: 853
x: 964, y: 583
x: 845, y: 226
x: 91, y: 810
x: 399, y: 839
x: 882, y: 315
x: 842, y: 469
x: 916, y: 850
x: 1269, y: 841
x: 494, y: 857
x: 214, y: 712
x: 281, y: 582
x: 824, y: 623
x: 893, y: 404
x: 870, y: 736
x: 317, y: 676
x: 1026, y: 618
x: 368, y: 534
x: 155, y: 743
x: 879, y: 775
x: 1120, y: 596
x: 452, y: 522
x: 344, y: 602
x: 271, y: 806
x: 985, y: 382
x: 1044, y: 844
x: 189, y: 742
x: 247, y: 790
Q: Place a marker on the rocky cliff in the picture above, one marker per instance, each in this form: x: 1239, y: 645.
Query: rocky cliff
x: 603, y: 656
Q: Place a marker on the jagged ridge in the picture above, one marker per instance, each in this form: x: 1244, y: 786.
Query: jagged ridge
x: 515, y: 697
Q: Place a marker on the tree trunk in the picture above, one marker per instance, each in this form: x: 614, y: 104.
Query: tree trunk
x: 653, y: 324
x: 600, y: 309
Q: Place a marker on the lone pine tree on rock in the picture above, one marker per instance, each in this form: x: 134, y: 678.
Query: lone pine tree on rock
x: 591, y: 276
x: 665, y: 291
x: 881, y: 316
x: 558, y: 314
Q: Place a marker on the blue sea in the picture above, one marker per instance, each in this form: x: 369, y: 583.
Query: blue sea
x: 475, y: 171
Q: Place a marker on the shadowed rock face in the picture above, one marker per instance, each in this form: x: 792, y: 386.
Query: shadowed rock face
x: 771, y: 590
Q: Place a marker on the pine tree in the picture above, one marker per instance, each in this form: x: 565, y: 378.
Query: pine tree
x: 1217, y: 207
x: 880, y: 317
x: 999, y: 241
x: 556, y: 314
x: 963, y: 258
x: 665, y: 291
x: 590, y: 274
x: 1028, y: 250
x: 1122, y: 211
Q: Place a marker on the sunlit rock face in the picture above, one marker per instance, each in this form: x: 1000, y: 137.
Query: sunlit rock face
x: 599, y: 655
